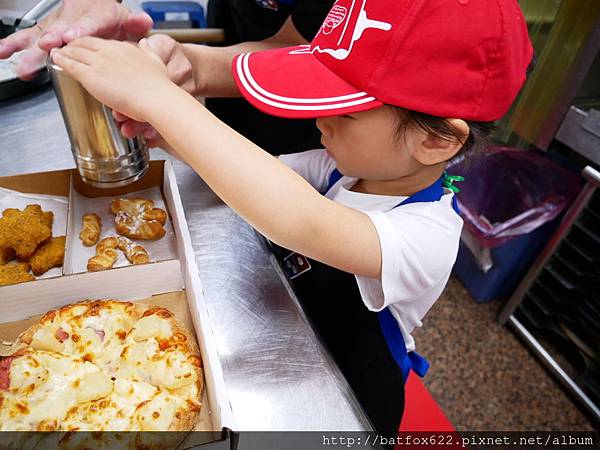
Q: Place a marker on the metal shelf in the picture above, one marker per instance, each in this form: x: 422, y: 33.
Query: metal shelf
x: 550, y: 363
x: 556, y: 306
x: 580, y: 130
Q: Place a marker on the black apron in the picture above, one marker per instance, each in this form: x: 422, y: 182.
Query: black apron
x: 255, y: 20
x: 368, y: 347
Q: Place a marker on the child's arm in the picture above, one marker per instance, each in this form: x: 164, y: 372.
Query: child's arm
x: 265, y: 192
x: 269, y: 195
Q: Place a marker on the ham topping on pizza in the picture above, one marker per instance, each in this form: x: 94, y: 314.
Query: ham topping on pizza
x: 61, y: 335
x: 5, y: 372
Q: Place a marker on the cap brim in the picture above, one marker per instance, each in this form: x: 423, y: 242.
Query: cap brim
x: 292, y: 83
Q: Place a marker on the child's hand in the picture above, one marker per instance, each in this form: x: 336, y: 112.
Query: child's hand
x: 120, y: 75
x: 180, y: 71
x: 131, y: 128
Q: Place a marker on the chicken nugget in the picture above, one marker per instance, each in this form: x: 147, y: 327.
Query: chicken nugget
x: 48, y: 255
x: 24, y: 230
x: 15, y: 273
x: 35, y: 209
x: 6, y: 254
x: 47, y: 217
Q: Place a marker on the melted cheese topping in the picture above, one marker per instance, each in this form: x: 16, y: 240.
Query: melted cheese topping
x: 45, y: 392
x: 159, y: 412
x: 98, y: 368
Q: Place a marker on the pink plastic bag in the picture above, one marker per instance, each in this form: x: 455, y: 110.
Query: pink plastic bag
x: 508, y: 193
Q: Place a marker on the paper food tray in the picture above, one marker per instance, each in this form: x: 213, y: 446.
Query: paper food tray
x: 174, y: 281
x: 77, y: 255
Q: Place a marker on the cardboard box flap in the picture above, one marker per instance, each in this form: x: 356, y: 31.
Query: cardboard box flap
x: 131, y: 282
x: 197, y: 304
x: 51, y: 183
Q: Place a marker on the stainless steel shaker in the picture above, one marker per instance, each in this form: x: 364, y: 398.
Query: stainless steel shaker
x: 104, y: 158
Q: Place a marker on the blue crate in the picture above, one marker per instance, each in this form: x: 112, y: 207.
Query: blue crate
x: 188, y: 14
x: 511, y: 261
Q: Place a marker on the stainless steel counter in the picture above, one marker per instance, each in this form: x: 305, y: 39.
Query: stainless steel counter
x: 277, y: 374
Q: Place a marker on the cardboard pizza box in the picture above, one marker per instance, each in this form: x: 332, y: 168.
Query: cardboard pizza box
x: 173, y: 283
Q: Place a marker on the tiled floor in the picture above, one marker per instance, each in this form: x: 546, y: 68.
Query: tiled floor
x: 483, y: 377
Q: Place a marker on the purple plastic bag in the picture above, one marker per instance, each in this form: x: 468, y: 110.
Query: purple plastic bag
x: 508, y: 193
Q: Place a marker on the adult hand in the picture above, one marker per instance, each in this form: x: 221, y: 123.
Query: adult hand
x: 73, y: 19
x: 179, y: 69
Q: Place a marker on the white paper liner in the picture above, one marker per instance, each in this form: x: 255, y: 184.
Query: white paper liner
x: 77, y: 255
x: 55, y: 203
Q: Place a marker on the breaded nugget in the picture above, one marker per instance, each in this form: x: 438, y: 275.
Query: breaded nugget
x: 47, y: 217
x: 6, y: 254
x: 24, y: 230
x: 15, y: 273
x: 48, y: 255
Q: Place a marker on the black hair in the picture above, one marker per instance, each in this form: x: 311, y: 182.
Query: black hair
x: 479, y: 132
x: 439, y: 127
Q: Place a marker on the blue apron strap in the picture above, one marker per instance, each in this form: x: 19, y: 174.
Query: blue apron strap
x: 430, y: 194
x: 455, y: 205
x: 395, y: 341
x: 333, y: 178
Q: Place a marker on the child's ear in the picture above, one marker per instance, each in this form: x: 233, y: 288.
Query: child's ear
x: 434, y: 150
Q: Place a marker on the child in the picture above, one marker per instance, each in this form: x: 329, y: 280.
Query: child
x: 399, y: 87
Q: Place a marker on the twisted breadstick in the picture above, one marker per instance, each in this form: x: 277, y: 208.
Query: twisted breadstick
x: 90, y: 229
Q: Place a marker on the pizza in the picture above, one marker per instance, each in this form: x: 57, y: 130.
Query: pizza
x: 102, y: 365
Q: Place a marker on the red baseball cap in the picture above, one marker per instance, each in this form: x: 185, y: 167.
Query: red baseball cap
x: 462, y: 59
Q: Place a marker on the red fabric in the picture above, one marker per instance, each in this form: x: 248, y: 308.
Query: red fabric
x: 424, y: 425
x: 451, y: 58
x: 421, y: 412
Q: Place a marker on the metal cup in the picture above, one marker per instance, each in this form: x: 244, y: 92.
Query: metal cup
x: 104, y: 158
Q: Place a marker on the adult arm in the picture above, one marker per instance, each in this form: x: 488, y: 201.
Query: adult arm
x: 73, y: 19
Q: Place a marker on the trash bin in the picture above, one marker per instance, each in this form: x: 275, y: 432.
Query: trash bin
x: 510, y: 201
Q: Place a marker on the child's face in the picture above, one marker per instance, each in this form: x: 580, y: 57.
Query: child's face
x: 366, y: 144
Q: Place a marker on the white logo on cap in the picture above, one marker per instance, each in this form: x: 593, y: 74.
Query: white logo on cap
x: 338, y: 15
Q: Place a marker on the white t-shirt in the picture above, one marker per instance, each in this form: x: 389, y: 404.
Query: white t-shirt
x: 419, y: 242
